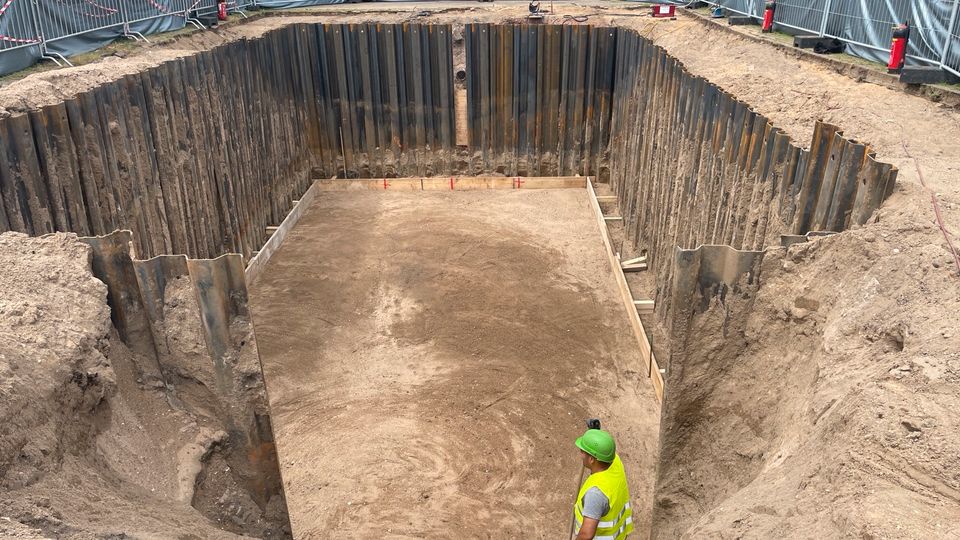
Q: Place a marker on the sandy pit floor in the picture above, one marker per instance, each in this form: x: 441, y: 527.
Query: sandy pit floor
x: 430, y: 358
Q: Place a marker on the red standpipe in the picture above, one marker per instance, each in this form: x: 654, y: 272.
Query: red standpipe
x: 898, y: 48
x: 771, y: 6
x: 222, y: 10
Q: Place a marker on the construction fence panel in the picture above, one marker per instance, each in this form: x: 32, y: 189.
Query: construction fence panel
x: 241, y: 5
x: 753, y: 8
x: 202, y: 8
x: 19, y: 40
x: 281, y: 4
x: 70, y: 27
x: 55, y: 29
x: 154, y: 16
x: 800, y: 14
x: 951, y: 49
x: 867, y: 27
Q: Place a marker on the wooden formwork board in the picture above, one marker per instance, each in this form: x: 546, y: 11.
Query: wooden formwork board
x: 646, y: 352
x: 279, y: 233
x: 453, y: 183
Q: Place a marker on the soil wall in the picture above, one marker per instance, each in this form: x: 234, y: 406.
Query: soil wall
x: 188, y: 321
x: 111, y: 433
x: 811, y: 391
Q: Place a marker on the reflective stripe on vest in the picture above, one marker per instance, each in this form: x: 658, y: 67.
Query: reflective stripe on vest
x: 617, y: 523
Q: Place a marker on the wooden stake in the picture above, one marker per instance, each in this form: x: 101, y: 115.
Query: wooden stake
x: 644, y: 306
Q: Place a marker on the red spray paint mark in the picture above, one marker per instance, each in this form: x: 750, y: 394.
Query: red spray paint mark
x: 385, y: 183
x: 451, y: 182
x: 517, y: 181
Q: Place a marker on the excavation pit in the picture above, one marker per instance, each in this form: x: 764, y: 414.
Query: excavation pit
x: 428, y: 351
x: 430, y: 345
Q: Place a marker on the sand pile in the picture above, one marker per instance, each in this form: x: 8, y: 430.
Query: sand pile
x: 829, y: 410
x: 90, y: 446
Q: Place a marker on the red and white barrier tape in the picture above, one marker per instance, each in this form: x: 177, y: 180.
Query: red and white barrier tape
x: 17, y: 40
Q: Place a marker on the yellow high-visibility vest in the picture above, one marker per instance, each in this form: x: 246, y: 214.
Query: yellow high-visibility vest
x: 618, y: 522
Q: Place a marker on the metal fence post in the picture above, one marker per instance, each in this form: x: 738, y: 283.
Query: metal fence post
x: 127, y: 33
x: 35, y: 21
x: 948, y: 38
x: 826, y: 15
x: 126, y: 20
x: 44, y: 53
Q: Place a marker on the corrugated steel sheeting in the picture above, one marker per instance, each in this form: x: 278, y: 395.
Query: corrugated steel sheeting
x: 199, y: 155
x: 691, y: 165
x: 137, y: 293
x: 539, y: 97
x: 386, y: 92
x: 196, y: 156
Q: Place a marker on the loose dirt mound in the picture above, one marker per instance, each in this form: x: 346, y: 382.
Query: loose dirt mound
x: 89, y: 445
x: 829, y: 410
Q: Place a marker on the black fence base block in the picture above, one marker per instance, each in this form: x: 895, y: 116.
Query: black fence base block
x: 926, y: 75
x: 809, y: 42
x: 741, y: 20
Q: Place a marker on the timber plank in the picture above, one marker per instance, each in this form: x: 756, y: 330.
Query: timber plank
x: 646, y: 352
x: 454, y: 183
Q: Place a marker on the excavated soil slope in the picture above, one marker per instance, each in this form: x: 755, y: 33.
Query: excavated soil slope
x: 89, y: 448
x: 830, y: 410
x: 430, y: 358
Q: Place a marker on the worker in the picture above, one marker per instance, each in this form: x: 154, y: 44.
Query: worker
x: 602, y: 510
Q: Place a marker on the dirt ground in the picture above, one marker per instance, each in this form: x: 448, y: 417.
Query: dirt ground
x: 430, y: 358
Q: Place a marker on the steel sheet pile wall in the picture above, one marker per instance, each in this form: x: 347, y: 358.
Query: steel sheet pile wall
x: 196, y: 156
x: 539, y: 97
x: 691, y: 165
x: 386, y: 92
x: 220, y: 379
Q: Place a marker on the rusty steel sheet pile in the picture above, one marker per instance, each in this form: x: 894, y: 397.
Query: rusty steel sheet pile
x: 228, y: 367
x: 692, y: 166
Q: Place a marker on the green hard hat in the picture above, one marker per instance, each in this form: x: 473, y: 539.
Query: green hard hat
x: 599, y: 444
